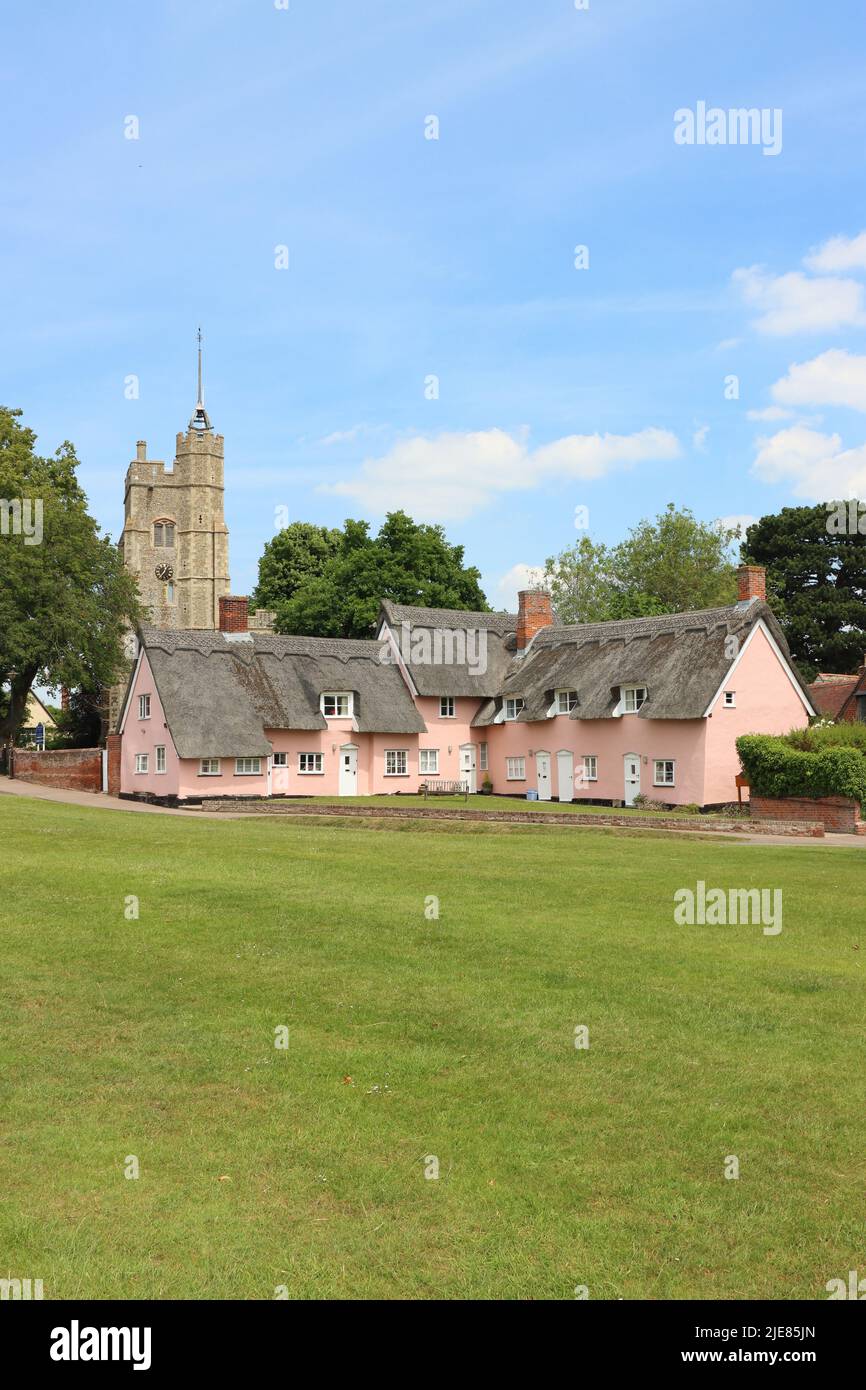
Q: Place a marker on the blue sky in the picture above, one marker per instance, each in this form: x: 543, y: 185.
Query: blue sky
x: 453, y: 257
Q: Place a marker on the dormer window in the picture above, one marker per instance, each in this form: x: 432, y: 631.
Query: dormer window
x: 513, y: 707
x: 565, y: 701
x: 337, y: 704
x: 163, y: 534
x: 632, y: 697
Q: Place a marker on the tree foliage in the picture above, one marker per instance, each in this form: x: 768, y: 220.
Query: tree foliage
x: 816, y: 583
x: 669, y: 565
x: 65, y: 600
x: 406, y: 562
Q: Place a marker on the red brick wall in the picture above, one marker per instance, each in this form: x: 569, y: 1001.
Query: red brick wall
x: 112, y: 743
x: 234, y: 613
x: 534, y: 612
x: 75, y: 769
x: 838, y: 814
x: 751, y: 583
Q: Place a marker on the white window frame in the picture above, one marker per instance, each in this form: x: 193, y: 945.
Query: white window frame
x: 248, y: 771
x: 446, y: 707
x: 314, y: 771
x: 159, y: 757
x: 482, y: 757
x: 206, y: 767
x: 664, y: 763
x: 515, y: 703
x: 426, y: 754
x: 141, y: 764
x: 337, y: 695
x: 144, y: 706
x: 570, y: 697
x: 396, y: 753
x: 281, y: 760
x: 515, y: 769
x: 590, y: 767
x: 626, y: 691
x: 729, y: 699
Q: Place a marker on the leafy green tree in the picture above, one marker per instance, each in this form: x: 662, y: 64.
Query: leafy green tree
x: 406, y: 562
x: 296, y: 554
x: 664, y: 566
x: 80, y: 725
x: 65, y: 598
x: 816, y: 582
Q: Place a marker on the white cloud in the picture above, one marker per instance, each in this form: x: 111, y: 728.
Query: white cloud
x: 814, y: 465
x: 699, y: 438
x: 449, y: 476
x: 350, y: 435
x: 838, y: 253
x: 770, y: 412
x: 727, y: 343
x: 793, y: 303
x: 743, y: 520
x: 519, y: 577
x: 835, y: 377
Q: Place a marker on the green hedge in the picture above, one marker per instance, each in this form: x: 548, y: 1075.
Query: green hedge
x: 774, y: 768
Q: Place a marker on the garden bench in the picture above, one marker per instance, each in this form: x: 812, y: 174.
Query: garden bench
x: 445, y: 788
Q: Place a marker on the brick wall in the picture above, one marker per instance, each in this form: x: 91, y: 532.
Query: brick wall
x: 75, y: 769
x: 838, y: 814
x: 113, y: 743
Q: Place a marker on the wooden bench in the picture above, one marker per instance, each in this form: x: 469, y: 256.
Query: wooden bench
x: 445, y: 788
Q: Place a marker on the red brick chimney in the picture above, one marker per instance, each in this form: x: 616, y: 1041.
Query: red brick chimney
x: 534, y: 612
x: 751, y: 583
x: 234, y: 613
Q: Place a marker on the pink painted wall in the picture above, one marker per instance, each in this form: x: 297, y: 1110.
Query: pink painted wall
x: 767, y: 703
x: 608, y: 740
x: 142, y: 736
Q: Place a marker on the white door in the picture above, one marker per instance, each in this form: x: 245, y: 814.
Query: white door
x: 280, y: 776
x: 467, y: 764
x: 631, y: 762
x: 542, y: 775
x: 565, y: 775
x: 349, y: 770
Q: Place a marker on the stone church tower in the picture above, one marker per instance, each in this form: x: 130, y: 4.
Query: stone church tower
x: 175, y: 539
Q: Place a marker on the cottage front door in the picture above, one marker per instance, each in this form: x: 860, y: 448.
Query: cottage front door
x: 349, y: 770
x: 632, y: 777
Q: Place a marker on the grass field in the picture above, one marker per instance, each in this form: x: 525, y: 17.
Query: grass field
x: 411, y: 1037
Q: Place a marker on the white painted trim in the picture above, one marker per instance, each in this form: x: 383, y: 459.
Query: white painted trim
x: 761, y: 626
x: 398, y: 662
x: 132, y: 681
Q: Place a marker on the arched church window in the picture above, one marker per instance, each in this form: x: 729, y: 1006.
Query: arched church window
x: 163, y: 533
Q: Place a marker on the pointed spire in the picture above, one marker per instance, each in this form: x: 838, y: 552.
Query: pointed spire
x: 200, y: 419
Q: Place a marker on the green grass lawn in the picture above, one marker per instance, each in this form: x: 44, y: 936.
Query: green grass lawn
x: 411, y: 1037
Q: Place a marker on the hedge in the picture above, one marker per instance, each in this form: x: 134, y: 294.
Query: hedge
x: 774, y: 768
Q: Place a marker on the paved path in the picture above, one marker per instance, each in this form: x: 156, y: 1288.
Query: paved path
x: 100, y: 801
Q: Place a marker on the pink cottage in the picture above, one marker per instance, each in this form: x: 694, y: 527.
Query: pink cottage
x: 597, y: 712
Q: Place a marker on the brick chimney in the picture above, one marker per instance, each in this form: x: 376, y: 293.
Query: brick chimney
x: 234, y: 613
x: 534, y: 612
x: 751, y: 583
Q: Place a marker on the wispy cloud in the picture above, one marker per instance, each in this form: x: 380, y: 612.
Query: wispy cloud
x: 835, y: 377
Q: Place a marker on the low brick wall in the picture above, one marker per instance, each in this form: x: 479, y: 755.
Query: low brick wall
x: 73, y: 769
x: 811, y: 829
x: 839, y: 815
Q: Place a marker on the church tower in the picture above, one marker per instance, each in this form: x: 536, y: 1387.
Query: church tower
x: 175, y: 539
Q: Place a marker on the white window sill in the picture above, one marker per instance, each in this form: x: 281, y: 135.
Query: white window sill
x: 320, y: 773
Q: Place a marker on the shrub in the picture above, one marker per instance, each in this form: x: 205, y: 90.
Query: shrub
x: 775, y: 768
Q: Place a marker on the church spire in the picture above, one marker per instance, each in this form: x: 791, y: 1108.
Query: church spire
x: 200, y: 419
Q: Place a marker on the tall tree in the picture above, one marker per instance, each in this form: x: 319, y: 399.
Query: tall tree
x: 664, y: 566
x: 296, y: 554
x: 65, y: 598
x: 816, y: 580
x: 406, y: 562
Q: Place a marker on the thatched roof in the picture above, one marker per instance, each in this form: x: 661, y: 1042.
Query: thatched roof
x: 681, y: 658
x: 220, y: 693
x: 491, y: 637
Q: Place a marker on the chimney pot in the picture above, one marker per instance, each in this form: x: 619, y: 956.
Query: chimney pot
x: 141, y: 450
x: 751, y: 583
x: 234, y: 613
x: 534, y: 612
